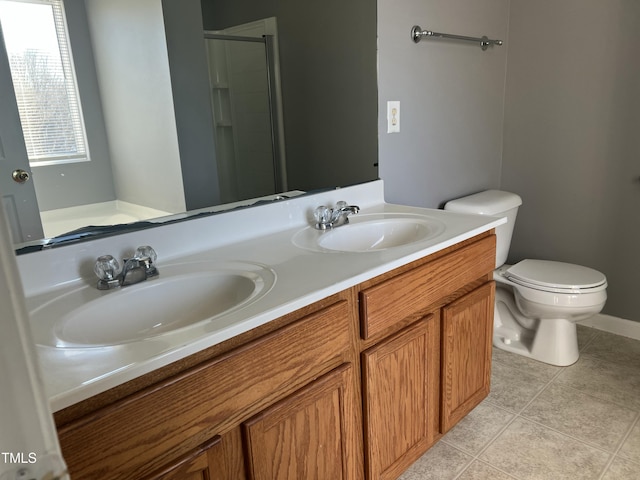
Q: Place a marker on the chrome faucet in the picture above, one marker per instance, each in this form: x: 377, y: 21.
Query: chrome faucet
x: 135, y: 270
x: 327, y: 218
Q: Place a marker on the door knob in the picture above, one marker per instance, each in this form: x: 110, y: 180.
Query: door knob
x: 20, y: 175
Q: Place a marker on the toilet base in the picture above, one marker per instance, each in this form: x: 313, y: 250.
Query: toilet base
x: 550, y: 341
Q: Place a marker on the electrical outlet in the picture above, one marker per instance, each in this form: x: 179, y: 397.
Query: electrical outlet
x: 393, y: 117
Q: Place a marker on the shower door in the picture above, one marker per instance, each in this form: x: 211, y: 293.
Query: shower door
x: 249, y: 152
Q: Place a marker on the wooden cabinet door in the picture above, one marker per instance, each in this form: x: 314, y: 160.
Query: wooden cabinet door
x: 311, y: 435
x: 400, y: 382
x: 467, y: 329
x: 226, y: 459
x: 193, y: 466
x: 220, y: 458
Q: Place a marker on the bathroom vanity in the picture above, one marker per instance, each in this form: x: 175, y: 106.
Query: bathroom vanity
x: 351, y: 366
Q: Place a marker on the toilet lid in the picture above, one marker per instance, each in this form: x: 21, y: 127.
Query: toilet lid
x: 556, y: 276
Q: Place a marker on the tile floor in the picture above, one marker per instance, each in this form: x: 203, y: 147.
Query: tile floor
x: 542, y: 422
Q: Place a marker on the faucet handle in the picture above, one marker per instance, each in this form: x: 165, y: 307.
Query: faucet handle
x: 146, y: 251
x: 147, y: 256
x: 107, y: 269
x: 322, y: 214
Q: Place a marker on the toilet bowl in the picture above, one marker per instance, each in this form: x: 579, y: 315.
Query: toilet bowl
x: 538, y: 302
x: 537, y: 318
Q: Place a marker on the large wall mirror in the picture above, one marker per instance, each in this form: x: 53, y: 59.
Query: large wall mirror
x: 174, y: 96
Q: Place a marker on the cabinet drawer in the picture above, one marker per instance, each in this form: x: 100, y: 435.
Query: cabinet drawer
x: 126, y: 440
x: 382, y: 305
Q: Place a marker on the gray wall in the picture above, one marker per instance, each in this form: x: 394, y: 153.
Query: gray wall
x: 66, y: 185
x: 192, y: 102
x: 568, y: 142
x: 219, y: 15
x: 335, y: 145
x: 572, y: 143
x: 326, y: 144
x: 451, y: 99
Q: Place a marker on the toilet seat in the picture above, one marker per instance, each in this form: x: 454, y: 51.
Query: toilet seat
x: 556, y: 277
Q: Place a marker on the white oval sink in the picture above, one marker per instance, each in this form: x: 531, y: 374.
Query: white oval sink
x: 369, y: 233
x: 182, y: 295
x: 375, y: 235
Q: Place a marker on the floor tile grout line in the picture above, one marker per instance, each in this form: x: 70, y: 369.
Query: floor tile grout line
x: 568, y: 435
x: 468, y: 465
x: 618, y: 448
x: 544, y: 387
x: 611, y: 454
x: 616, y: 453
x: 608, y: 361
x: 536, y: 375
x: 521, y: 415
x: 509, y: 474
x: 636, y: 421
x: 602, y: 334
x: 594, y: 335
x: 604, y: 400
x: 516, y: 415
x: 476, y: 456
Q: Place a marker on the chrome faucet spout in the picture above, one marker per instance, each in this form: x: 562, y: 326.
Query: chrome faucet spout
x: 349, y: 209
x: 136, y: 269
x: 133, y: 272
x: 327, y: 218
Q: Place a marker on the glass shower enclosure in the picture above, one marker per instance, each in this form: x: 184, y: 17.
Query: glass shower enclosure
x: 245, y: 98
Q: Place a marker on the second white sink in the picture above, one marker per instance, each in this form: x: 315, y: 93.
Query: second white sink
x: 370, y: 232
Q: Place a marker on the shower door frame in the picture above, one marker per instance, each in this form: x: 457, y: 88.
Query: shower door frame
x: 275, y: 102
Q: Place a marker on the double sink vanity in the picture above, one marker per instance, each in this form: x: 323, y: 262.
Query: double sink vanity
x: 267, y: 348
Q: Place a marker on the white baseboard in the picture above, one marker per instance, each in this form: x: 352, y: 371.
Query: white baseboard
x: 619, y: 326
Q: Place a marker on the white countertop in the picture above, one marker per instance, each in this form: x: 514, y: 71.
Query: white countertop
x: 260, y: 235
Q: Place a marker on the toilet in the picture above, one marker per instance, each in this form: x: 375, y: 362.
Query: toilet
x: 538, y: 302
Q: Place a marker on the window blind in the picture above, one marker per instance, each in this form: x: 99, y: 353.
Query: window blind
x: 35, y: 35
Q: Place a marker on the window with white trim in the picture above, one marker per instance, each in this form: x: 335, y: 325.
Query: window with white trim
x: 36, y: 39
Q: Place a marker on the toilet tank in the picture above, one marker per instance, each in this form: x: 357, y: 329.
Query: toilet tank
x: 495, y: 203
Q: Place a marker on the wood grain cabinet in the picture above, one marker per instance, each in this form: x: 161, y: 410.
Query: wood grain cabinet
x: 193, y: 466
x: 220, y: 458
x: 158, y: 432
x: 359, y: 384
x: 427, y: 333
x: 309, y: 435
x: 400, y: 387
x: 467, y: 326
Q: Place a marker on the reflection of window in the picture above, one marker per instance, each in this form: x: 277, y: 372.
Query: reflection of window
x: 35, y: 35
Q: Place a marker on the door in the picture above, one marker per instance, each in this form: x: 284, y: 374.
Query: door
x: 17, y: 190
x: 400, y: 381
x: 310, y: 435
x: 467, y: 330
x: 192, y: 466
x: 28, y: 437
x: 246, y: 101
